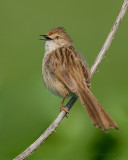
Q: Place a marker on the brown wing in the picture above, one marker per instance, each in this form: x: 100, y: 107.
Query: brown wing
x: 70, y: 68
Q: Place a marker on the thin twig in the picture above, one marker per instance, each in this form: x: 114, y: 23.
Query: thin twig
x: 109, y: 38
x: 62, y: 114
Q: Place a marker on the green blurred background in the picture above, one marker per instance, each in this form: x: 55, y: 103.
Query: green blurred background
x: 27, y: 108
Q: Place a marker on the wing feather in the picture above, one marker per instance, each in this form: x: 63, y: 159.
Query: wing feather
x: 70, y: 69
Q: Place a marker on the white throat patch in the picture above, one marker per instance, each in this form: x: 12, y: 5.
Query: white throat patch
x: 50, y: 46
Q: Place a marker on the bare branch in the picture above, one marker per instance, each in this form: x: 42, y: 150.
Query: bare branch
x: 109, y: 38
x: 62, y: 114
x: 47, y: 132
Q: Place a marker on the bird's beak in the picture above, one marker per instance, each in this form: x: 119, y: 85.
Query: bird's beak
x: 45, y: 37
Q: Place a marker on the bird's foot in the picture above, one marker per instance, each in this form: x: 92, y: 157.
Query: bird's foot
x: 63, y: 108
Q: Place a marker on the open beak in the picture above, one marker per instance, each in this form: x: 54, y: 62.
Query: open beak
x: 45, y: 37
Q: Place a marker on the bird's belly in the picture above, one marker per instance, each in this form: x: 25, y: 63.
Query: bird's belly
x: 53, y: 84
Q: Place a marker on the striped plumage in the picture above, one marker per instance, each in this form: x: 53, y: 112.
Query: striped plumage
x: 63, y: 56
x: 64, y: 73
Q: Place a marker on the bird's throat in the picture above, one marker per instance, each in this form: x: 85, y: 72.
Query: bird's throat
x: 50, y: 46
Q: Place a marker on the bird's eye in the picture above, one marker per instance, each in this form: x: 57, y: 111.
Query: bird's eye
x: 57, y: 37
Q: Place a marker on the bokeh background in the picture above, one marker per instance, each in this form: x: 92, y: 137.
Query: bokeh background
x: 27, y: 108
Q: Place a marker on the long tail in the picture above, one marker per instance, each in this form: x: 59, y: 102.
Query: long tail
x: 98, y: 115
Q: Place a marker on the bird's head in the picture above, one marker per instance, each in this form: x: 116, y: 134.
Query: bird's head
x: 56, y: 38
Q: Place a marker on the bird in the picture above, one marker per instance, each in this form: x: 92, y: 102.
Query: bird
x: 65, y: 73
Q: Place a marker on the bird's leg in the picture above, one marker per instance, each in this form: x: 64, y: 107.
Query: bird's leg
x: 62, y: 107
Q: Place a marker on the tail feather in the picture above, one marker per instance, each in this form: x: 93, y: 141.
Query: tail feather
x: 98, y: 115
